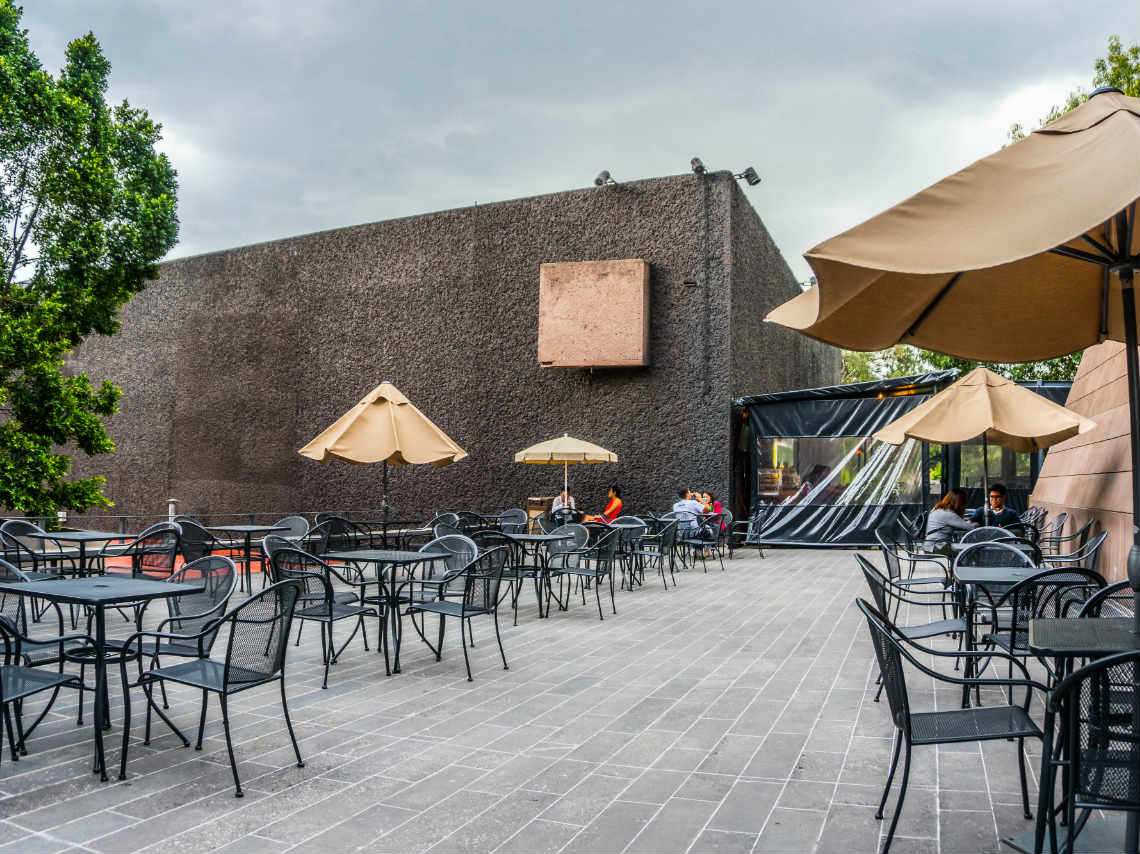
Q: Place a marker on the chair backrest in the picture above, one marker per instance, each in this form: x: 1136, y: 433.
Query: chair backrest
x: 890, y: 660
x: 312, y: 573
x: 272, y: 542
x: 442, y: 529
x: 890, y: 554
x: 1087, y: 555
x: 986, y: 533
x: 343, y: 534
x: 546, y: 523
x: 729, y: 520
x: 190, y: 612
x: 1099, y: 704
x: 1049, y: 594
x: 297, y: 527
x: 630, y: 529
x: 993, y: 553
x: 606, y: 549
x: 563, y: 516
x: 1115, y: 600
x: 318, y: 541
x: 668, y: 534
x: 563, y: 553
x: 155, y: 550
x: 451, y: 519
x: 468, y: 523
x: 488, y: 539
x: 459, y: 551
x: 18, y: 553
x: 597, y: 530
x: 259, y: 633
x: 482, y: 579
x: 877, y: 582
x: 195, y: 541
x: 513, y: 521
x: 11, y: 604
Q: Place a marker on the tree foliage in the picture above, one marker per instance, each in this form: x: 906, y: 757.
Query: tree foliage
x: 87, y: 208
x: 1119, y: 68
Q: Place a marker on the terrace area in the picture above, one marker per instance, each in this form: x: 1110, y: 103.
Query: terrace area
x: 733, y: 713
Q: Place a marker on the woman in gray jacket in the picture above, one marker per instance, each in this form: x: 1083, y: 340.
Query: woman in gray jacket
x: 945, y: 519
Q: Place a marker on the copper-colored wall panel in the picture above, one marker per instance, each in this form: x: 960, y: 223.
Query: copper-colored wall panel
x: 593, y: 314
x: 1090, y: 476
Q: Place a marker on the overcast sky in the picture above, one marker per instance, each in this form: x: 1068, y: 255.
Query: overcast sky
x: 284, y: 118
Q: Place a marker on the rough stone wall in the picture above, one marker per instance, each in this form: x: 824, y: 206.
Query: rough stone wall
x: 232, y: 361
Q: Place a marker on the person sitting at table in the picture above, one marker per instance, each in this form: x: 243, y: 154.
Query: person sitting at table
x: 945, y: 519
x: 563, y: 500
x: 687, y: 510
x: 999, y: 514
x: 613, y: 508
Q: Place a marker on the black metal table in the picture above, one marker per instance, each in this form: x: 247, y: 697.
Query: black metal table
x: 82, y: 538
x: 390, y: 559
x: 1083, y: 638
x: 534, y: 545
x: 247, y: 531
x: 97, y: 593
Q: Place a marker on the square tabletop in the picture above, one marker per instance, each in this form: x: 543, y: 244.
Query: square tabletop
x: 1088, y: 637
x: 246, y: 529
x: 79, y: 536
x: 539, y: 538
x: 984, y: 575
x: 384, y: 556
x: 100, y: 589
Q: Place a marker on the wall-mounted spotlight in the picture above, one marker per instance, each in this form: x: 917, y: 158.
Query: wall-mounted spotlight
x: 604, y: 178
x: 750, y: 176
x: 697, y: 166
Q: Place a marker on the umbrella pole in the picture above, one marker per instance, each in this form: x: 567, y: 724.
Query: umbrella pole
x: 1132, y: 360
x: 384, y: 502
x: 566, y: 478
x: 985, y: 480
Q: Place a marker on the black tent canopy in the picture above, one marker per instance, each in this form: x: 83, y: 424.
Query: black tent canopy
x: 814, y: 476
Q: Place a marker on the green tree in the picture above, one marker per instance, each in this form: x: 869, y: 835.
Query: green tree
x: 1119, y: 68
x: 87, y: 208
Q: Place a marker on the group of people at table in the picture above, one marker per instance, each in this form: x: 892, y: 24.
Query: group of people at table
x: 949, y: 517
x: 692, y: 504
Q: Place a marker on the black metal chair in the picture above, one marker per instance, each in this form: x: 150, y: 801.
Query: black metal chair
x: 1052, y: 543
x: 344, y: 535
x: 442, y: 529
x: 657, y: 551
x: 889, y: 596
x: 1091, y: 737
x: 196, y: 542
x: 591, y: 564
x: 257, y: 639
x: 38, y: 559
x: 297, y: 527
x: 631, y: 529
x: 987, y: 533
x: 513, y: 521
x: 990, y: 723
x: 1115, y: 600
x: 480, y: 580
x: 18, y: 680
x: 320, y: 604
x: 468, y: 523
x: 151, y: 555
x: 1086, y: 557
x: 546, y: 523
x: 516, y: 570
x: 895, y: 555
x: 564, y: 516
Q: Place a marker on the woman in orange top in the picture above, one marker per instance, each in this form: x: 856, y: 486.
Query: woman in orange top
x: 613, y: 508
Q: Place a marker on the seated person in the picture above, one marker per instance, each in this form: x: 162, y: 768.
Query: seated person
x: 563, y: 500
x: 998, y: 514
x: 687, y: 510
x: 613, y: 508
x: 944, y: 520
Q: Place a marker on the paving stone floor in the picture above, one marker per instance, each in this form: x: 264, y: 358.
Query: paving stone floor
x: 733, y: 713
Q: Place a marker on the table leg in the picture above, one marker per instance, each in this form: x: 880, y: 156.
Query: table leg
x: 100, y: 691
x: 82, y: 559
x: 248, y: 557
x: 395, y: 618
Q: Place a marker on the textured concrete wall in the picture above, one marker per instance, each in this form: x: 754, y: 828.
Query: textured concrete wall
x: 233, y: 360
x: 1090, y: 476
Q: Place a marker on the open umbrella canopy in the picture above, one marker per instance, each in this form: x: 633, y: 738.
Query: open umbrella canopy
x: 983, y: 403
x: 384, y: 427
x: 565, y: 449
x: 1004, y: 261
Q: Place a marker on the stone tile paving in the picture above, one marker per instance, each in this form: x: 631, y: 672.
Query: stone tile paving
x: 731, y: 714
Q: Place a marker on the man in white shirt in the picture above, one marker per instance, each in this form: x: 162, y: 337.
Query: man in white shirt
x: 687, y: 509
x: 563, y: 499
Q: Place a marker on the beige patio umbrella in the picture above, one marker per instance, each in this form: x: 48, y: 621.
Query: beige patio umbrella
x: 568, y: 451
x: 985, y: 404
x: 1027, y: 254
x: 384, y: 427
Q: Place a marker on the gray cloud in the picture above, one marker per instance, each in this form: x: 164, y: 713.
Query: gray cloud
x: 284, y: 119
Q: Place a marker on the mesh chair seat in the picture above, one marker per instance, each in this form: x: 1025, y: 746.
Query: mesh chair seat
x: 17, y: 681
x: 975, y: 724
x: 450, y: 608
x: 929, y: 630
x: 208, y: 673
x: 339, y: 611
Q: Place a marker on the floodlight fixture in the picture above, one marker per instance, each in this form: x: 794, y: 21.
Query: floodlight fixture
x: 750, y: 176
x: 604, y: 178
x: 697, y: 166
